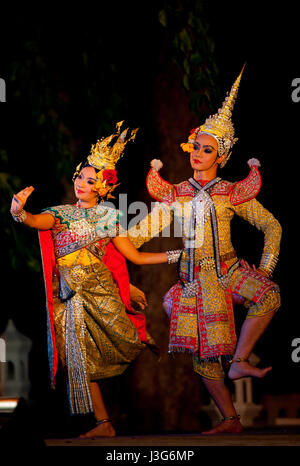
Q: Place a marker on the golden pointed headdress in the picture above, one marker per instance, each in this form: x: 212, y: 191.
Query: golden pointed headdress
x: 104, y: 156
x: 219, y: 125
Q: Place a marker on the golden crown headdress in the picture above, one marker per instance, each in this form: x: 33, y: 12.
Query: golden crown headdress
x: 104, y: 156
x: 219, y: 125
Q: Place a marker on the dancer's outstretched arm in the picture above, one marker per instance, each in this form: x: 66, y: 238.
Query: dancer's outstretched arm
x: 39, y: 221
x: 159, y: 218
x: 125, y: 246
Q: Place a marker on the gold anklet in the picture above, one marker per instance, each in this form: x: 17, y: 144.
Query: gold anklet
x: 238, y: 360
x: 102, y: 421
x: 231, y: 418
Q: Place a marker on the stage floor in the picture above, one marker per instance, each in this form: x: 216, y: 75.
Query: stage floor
x: 254, y: 438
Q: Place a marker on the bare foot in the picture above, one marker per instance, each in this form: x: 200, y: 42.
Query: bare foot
x: 244, y: 369
x: 226, y: 427
x: 103, y: 430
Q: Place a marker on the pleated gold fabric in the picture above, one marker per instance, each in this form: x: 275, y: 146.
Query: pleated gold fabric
x: 92, y: 326
x: 94, y: 336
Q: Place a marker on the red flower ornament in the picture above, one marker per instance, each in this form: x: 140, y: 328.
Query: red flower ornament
x: 110, y: 176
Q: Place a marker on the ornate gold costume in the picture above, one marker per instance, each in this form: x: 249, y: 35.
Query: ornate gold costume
x: 229, y: 198
x: 212, y: 298
x: 94, y: 336
x: 200, y: 305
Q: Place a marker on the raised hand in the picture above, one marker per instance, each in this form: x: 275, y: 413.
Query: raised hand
x: 19, y: 199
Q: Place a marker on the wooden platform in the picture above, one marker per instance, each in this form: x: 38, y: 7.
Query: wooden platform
x: 253, y: 438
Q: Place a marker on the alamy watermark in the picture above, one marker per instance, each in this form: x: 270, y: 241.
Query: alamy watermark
x: 188, y: 222
x: 296, y: 92
x: 2, y: 350
x: 296, y: 352
x: 2, y: 90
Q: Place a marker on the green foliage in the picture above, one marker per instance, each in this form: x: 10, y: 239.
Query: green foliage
x: 40, y: 127
x: 35, y: 86
x: 193, y: 51
x: 71, y: 82
x: 66, y: 89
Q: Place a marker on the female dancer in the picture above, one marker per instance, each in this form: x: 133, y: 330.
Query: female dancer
x: 200, y: 305
x: 87, y: 283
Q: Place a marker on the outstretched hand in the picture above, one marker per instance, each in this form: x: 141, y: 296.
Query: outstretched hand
x: 20, y: 199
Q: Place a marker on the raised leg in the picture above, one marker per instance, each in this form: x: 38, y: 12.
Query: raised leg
x: 251, y: 331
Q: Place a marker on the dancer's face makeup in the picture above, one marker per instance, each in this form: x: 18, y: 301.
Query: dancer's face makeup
x: 204, y: 158
x: 205, y: 152
x: 84, y: 185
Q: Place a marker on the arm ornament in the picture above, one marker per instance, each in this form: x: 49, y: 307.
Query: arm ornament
x: 268, y: 263
x: 173, y: 256
x: 19, y: 217
x: 248, y: 188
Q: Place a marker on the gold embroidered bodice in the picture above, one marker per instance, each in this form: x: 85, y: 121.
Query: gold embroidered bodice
x: 251, y: 211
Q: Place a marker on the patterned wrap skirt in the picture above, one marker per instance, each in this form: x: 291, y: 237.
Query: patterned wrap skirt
x: 262, y: 296
x: 95, y: 338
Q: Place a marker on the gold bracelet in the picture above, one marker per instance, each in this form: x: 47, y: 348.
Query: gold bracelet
x: 19, y: 217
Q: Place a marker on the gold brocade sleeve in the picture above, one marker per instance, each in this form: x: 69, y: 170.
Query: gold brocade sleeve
x: 254, y: 213
x: 156, y: 221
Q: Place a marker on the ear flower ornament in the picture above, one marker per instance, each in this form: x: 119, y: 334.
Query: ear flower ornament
x: 106, y: 183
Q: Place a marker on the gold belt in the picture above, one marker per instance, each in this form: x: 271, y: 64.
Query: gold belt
x: 208, y: 262
x: 228, y: 255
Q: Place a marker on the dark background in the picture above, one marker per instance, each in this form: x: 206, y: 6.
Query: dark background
x: 163, y: 67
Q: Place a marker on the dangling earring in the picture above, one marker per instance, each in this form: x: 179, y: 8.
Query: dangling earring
x: 100, y: 199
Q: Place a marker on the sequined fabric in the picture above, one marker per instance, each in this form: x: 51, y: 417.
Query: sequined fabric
x: 92, y: 326
x: 208, y: 369
x: 223, y: 194
x: 94, y: 336
x: 239, y: 192
x: 212, y: 325
x: 76, y: 227
x: 269, y: 303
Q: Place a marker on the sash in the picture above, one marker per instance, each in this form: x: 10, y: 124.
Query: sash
x: 205, y: 194
x: 224, y: 278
